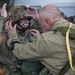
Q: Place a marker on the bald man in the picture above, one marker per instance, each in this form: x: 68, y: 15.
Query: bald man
x: 49, y: 47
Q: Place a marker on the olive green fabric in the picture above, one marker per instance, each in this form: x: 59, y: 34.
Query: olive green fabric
x: 49, y: 48
x: 31, y: 68
x: 25, y: 37
x: 19, y: 73
x: 36, y: 25
x: 44, y: 71
x: 6, y: 55
x: 65, y: 69
x: 63, y: 31
x: 4, y: 50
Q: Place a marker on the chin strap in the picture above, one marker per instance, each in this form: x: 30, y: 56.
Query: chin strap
x: 68, y: 47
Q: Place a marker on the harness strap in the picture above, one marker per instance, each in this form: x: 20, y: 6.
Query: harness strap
x: 71, y: 61
x: 66, y: 67
x: 68, y: 47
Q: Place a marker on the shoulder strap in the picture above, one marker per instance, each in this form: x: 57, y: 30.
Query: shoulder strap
x: 66, y: 67
x: 68, y: 47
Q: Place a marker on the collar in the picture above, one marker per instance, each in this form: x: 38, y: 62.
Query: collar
x: 60, y: 23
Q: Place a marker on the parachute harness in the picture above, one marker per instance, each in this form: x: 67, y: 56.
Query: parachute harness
x: 68, y: 47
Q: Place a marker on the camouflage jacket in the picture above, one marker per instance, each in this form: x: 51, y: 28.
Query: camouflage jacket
x: 6, y: 55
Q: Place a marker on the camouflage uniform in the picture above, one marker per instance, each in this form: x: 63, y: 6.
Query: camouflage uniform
x: 21, y: 12
x: 16, y: 13
x: 6, y: 56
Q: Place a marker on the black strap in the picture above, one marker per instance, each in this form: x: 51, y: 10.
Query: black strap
x: 12, y: 44
x: 67, y: 66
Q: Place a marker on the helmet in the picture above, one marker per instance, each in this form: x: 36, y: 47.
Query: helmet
x: 18, y: 12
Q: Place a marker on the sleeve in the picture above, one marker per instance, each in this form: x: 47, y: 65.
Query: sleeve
x: 14, y: 38
x: 32, y: 50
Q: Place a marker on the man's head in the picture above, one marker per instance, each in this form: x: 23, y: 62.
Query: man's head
x: 48, y: 16
x: 70, y: 19
x: 21, y: 16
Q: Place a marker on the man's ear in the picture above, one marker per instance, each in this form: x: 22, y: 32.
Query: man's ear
x: 48, y: 21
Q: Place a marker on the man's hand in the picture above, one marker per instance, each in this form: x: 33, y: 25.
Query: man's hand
x: 3, y: 11
x: 34, y: 13
x: 9, y: 27
x: 34, y: 32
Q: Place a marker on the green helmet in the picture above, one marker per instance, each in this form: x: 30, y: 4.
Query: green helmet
x: 18, y: 12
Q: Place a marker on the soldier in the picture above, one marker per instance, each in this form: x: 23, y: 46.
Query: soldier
x: 25, y: 22
x: 5, y: 53
x: 49, y: 47
x: 19, y: 15
x: 6, y: 56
